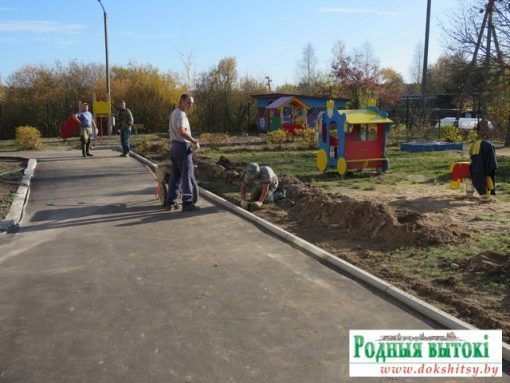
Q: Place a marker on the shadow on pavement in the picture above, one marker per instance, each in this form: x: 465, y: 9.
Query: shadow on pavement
x: 115, y: 213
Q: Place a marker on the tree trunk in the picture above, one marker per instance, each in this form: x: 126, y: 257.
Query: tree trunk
x: 507, y: 137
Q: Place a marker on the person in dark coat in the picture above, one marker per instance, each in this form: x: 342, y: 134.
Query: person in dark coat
x: 125, y: 123
x: 483, y: 162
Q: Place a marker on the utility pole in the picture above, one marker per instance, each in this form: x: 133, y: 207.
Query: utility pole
x: 425, y: 56
x: 108, y: 91
x: 268, y: 83
x: 106, y: 50
x: 487, y: 62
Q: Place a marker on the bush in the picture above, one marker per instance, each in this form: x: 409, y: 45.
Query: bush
x: 451, y: 134
x: 277, y: 137
x: 308, y: 137
x: 28, y: 138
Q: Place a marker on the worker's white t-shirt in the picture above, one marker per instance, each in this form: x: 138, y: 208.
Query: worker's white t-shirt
x: 178, y: 120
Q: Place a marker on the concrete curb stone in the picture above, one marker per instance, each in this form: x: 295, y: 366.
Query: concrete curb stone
x: 17, y: 207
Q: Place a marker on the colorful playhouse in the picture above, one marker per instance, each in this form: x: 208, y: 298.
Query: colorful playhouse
x: 290, y: 111
x: 351, y: 140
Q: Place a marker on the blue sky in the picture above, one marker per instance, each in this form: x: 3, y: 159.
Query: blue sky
x: 266, y: 36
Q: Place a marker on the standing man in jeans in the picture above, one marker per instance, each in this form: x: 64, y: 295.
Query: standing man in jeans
x: 125, y: 121
x: 181, y: 155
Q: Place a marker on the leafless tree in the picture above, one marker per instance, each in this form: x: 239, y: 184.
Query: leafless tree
x: 415, y: 69
x: 307, y: 70
x: 188, y: 74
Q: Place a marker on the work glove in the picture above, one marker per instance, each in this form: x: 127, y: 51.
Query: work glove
x: 244, y: 204
x: 257, y: 204
x: 196, y: 147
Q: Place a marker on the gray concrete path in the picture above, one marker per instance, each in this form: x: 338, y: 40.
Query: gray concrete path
x: 102, y: 285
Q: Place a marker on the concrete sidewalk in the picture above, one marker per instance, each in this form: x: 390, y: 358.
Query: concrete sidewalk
x: 100, y: 284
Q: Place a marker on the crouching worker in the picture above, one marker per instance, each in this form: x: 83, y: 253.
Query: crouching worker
x: 261, y: 182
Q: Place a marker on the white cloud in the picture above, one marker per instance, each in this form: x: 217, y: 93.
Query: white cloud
x: 38, y: 27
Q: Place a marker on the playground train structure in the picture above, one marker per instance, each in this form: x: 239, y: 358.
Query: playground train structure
x: 352, y: 140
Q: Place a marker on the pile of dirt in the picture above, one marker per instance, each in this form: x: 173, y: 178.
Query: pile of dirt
x: 368, y: 221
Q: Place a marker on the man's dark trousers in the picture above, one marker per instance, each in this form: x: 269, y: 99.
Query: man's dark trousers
x: 182, y: 173
x: 125, y: 134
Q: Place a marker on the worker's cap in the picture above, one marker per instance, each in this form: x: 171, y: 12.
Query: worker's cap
x: 252, y: 170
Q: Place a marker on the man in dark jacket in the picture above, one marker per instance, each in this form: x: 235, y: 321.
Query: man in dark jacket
x: 483, y: 162
x: 125, y: 122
